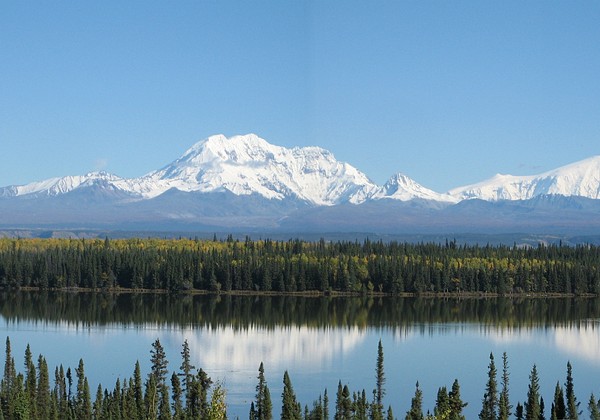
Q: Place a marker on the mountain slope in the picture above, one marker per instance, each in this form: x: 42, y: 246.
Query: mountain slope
x: 577, y: 179
x: 247, y: 165
x: 402, y: 188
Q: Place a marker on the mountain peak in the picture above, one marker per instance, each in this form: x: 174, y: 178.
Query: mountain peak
x: 580, y: 178
x: 403, y: 188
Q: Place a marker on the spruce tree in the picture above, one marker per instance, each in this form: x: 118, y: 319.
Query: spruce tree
x: 7, y: 386
x: 187, y: 373
x: 164, y: 408
x: 138, y: 393
x: 178, y: 413
x: 325, y: 405
x: 572, y: 404
x: 339, y: 410
x: 43, y: 389
x: 442, y: 403
x: 416, y: 405
x: 83, y: 405
x: 159, y: 363
x: 519, y: 412
x: 290, y: 409
x: 593, y: 408
x: 263, y: 405
x: 30, y: 381
x: 504, y: 407
x: 558, y: 409
x: 151, y: 397
x: 490, y: 397
x: 98, y: 403
x: 380, y: 382
x: 532, y: 406
x: 456, y: 402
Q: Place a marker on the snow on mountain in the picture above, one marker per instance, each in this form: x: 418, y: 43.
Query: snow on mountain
x: 577, y: 179
x: 248, y: 164
x: 242, y: 165
x: 57, y: 186
x: 400, y: 187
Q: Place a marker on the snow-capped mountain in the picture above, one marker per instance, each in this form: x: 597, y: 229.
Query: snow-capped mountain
x: 245, y: 165
x: 63, y: 185
x: 577, y: 179
x: 400, y: 187
x: 244, y: 182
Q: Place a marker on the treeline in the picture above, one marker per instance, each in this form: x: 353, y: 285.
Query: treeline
x: 244, y: 311
x: 189, y: 393
x: 298, y: 266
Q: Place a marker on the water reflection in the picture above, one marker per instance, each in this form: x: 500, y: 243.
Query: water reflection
x: 310, y: 347
x: 319, y: 340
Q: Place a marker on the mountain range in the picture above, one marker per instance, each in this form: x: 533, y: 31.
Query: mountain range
x: 244, y: 182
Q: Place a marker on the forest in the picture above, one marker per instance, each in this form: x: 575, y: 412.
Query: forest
x: 189, y: 393
x: 296, y: 266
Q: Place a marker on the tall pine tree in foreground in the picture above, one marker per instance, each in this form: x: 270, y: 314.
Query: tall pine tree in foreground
x: 263, y: 407
x: 290, y: 408
x: 490, y: 397
x: 504, y: 407
x: 572, y: 404
x: 380, y: 382
x: 532, y: 406
x: 416, y: 405
x: 558, y: 409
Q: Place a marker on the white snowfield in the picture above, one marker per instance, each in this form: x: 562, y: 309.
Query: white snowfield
x: 248, y: 164
x: 577, y: 179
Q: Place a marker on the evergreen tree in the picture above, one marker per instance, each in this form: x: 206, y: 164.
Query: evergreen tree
x: 7, y: 386
x: 339, y: 401
x: 83, y: 405
x: 263, y: 406
x: 490, y: 397
x: 178, y: 412
x: 30, y: 381
x: 572, y: 404
x: 43, y: 389
x: 98, y: 403
x: 519, y: 412
x: 380, y: 382
x: 594, y: 408
x: 325, y: 405
x: 558, y: 409
x: 290, y: 409
x: 151, y: 398
x: 504, y: 407
x: 159, y: 363
x: 442, y: 404
x: 164, y: 408
x: 532, y: 406
x: 416, y: 405
x: 21, y: 401
x: 187, y: 373
x: 456, y: 402
x: 138, y: 395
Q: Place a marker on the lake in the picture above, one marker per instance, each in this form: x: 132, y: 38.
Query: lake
x: 319, y: 340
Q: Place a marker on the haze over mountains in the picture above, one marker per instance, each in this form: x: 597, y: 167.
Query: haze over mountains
x: 244, y: 182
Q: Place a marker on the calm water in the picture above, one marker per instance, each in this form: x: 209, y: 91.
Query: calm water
x: 318, y: 340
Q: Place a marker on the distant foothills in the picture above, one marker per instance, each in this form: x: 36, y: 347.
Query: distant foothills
x: 244, y: 183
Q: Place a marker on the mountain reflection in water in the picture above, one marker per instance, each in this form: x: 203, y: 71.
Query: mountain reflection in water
x: 318, y: 340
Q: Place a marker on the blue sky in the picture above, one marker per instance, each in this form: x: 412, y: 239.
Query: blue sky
x: 448, y: 93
